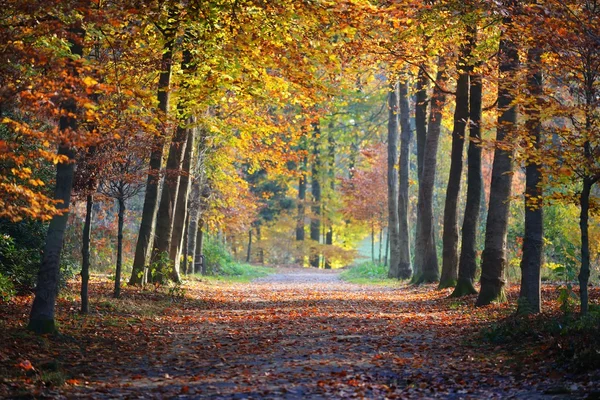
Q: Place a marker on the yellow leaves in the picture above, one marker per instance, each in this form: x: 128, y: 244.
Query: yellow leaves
x: 89, y: 81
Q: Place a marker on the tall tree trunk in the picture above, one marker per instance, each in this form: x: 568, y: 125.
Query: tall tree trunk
x: 425, y: 252
x: 493, y: 264
x: 183, y: 194
x: 533, y: 241
x: 467, y: 265
x: 249, y: 252
x: 404, y: 266
x: 387, y: 248
x: 315, y: 222
x: 392, y: 181
x: 331, y: 176
x: 421, y: 102
x: 121, y: 201
x: 151, y: 196
x: 41, y: 318
x: 85, y: 254
x: 373, y: 242
x: 461, y: 114
x: 380, y: 245
x: 584, y: 272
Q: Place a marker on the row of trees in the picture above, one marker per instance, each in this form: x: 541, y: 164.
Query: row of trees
x: 216, y: 112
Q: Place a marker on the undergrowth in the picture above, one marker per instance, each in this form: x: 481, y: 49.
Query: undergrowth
x: 367, y: 273
x: 237, y: 272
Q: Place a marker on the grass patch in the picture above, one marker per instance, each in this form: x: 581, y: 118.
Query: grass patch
x: 368, y: 273
x: 236, y: 272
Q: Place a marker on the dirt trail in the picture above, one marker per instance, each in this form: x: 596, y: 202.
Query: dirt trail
x: 307, y: 334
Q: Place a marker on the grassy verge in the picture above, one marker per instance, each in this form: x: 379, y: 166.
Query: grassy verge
x: 368, y: 273
x: 238, y: 273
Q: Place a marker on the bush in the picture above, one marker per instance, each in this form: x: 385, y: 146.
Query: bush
x: 7, y: 289
x: 20, y: 252
x: 216, y: 257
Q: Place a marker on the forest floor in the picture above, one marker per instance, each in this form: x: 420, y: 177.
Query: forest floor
x: 299, y: 333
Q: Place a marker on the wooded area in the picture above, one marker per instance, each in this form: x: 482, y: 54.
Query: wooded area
x: 447, y: 150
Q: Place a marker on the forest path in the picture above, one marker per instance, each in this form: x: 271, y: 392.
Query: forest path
x: 306, y: 334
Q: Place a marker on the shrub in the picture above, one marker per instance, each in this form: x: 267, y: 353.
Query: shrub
x: 216, y: 257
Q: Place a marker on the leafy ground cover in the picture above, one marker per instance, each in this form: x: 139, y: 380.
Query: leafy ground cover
x: 368, y: 273
x: 295, y: 334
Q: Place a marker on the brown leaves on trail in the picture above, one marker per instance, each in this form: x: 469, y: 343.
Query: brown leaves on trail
x: 276, y: 338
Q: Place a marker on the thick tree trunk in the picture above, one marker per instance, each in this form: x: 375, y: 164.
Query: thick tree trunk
x: 533, y: 241
x: 117, y: 293
x: 493, y: 262
x: 461, y: 114
x: 421, y: 102
x: 151, y: 196
x: 85, y: 254
x: 467, y: 265
x: 584, y: 272
x: 425, y: 252
x: 392, y: 181
x: 41, y: 318
x: 404, y: 266
x: 315, y: 222
x: 181, y: 209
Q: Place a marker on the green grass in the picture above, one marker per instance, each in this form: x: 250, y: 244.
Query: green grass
x: 236, y: 272
x: 368, y: 273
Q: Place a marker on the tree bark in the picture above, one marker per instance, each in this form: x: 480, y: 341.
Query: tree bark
x: 85, y: 254
x: 41, y: 318
x: 151, y: 196
x: 467, y: 265
x: 584, y: 272
x: 425, y: 252
x: 331, y: 176
x: 183, y: 194
x: 404, y: 266
x: 493, y: 263
x: 421, y: 102
x: 461, y: 114
x: 249, y: 252
x: 199, y: 264
x: 533, y: 241
x: 315, y: 221
x: 392, y: 181
x: 119, y: 268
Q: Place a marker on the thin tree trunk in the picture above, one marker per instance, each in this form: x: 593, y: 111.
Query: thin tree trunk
x: 584, y: 272
x: 425, y: 252
x: 199, y: 264
x: 249, y: 252
x: 181, y: 209
x: 404, y: 266
x: 331, y: 173
x: 151, y: 196
x: 387, y: 247
x: 467, y: 265
x: 461, y: 114
x: 533, y: 241
x: 41, y: 318
x: 185, y: 267
x: 373, y: 242
x: 315, y: 222
x: 119, y: 247
x: 392, y: 181
x: 85, y: 254
x: 380, y: 245
x: 493, y: 264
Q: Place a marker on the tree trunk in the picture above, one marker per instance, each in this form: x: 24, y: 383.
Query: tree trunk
x: 315, y: 222
x: 41, y: 318
x: 584, y: 272
x: 119, y: 247
x: 331, y: 175
x: 467, y: 265
x: 181, y: 209
x: 425, y: 252
x: 249, y: 253
x: 461, y: 114
x: 85, y: 254
x: 493, y: 262
x: 151, y: 196
x: 533, y: 241
x: 185, y: 267
x: 387, y: 248
x: 392, y: 181
x: 373, y: 242
x: 199, y: 264
x: 404, y: 266
x: 421, y: 130
x: 380, y: 246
